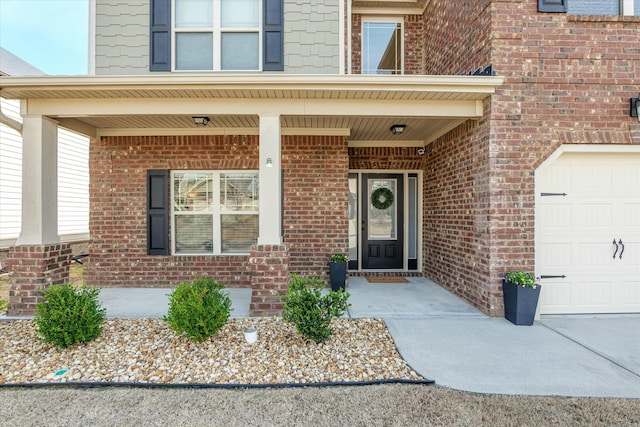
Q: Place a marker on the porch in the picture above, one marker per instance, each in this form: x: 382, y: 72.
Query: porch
x: 419, y: 298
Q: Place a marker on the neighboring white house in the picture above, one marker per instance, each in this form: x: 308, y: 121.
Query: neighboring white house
x: 73, y: 170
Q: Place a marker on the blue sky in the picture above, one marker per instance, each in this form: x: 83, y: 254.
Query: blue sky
x: 51, y: 35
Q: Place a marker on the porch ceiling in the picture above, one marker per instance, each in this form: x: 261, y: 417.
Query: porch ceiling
x: 362, y: 107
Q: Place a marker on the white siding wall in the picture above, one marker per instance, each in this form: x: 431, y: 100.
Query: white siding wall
x: 10, y: 176
x: 73, y: 182
x: 73, y: 185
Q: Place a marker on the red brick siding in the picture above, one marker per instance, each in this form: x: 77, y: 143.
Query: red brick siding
x: 568, y: 80
x: 457, y: 230
x: 117, y: 221
x: 356, y: 44
x: 413, y: 41
x: 457, y: 36
x: 316, y: 201
x: 315, y: 205
x: 34, y: 268
x: 385, y: 158
x: 269, y: 278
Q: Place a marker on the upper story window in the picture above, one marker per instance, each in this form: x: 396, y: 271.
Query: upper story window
x: 214, y: 212
x: 217, y: 34
x: 591, y: 7
x: 382, y: 42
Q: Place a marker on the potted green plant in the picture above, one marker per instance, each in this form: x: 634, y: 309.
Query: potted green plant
x: 521, y: 292
x: 338, y: 270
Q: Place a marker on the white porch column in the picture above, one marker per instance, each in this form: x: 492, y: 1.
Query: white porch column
x: 270, y: 185
x: 39, y: 181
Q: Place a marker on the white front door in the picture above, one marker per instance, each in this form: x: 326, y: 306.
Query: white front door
x: 588, y: 234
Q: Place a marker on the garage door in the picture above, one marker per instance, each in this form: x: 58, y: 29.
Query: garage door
x: 588, y: 234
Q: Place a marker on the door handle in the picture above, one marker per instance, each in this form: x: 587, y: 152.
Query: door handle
x: 622, y: 251
x: 616, y: 251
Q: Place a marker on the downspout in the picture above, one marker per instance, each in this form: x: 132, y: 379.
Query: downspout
x: 8, y: 121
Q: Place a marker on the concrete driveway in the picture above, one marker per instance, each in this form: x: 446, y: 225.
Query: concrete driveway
x: 445, y: 339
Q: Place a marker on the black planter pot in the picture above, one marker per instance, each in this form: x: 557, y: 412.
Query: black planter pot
x: 338, y: 273
x: 520, y: 303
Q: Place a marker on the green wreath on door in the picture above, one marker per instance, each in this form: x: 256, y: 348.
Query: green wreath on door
x: 382, y: 198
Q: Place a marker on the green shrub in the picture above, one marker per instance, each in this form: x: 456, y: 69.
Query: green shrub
x: 309, y: 310
x: 198, y: 309
x: 3, y: 305
x: 68, y: 316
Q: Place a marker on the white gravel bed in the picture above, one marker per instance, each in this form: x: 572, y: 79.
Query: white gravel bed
x: 148, y: 351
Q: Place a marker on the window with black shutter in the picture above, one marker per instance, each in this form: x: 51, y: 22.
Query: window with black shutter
x: 157, y: 212
x: 217, y: 35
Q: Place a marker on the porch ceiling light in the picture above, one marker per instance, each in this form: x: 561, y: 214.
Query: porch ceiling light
x: 635, y: 107
x: 397, y: 129
x: 201, y: 121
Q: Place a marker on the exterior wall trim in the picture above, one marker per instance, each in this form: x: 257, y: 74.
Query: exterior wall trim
x: 584, y: 148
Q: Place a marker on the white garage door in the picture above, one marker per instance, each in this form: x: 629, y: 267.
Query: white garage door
x: 588, y: 234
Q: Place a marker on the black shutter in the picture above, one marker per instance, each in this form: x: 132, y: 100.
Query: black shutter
x: 158, y: 212
x: 160, y: 37
x: 273, y: 35
x: 552, y: 5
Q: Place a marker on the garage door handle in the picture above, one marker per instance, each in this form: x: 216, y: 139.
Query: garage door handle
x: 616, y: 251
x: 622, y: 251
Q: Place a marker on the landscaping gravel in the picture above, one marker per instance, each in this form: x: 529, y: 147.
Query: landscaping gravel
x: 148, y: 351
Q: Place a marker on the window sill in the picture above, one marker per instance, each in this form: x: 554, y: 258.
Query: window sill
x: 603, y: 18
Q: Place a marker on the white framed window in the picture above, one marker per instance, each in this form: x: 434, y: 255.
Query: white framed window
x: 382, y: 46
x: 214, y: 212
x: 217, y: 35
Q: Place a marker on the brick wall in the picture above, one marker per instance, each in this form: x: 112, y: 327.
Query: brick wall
x: 118, y: 222
x: 568, y: 81
x: 315, y: 205
x: 33, y: 268
x: 457, y: 229
x: 385, y: 158
x: 457, y: 36
x: 316, y: 201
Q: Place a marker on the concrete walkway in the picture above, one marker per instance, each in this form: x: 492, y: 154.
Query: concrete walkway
x: 445, y: 339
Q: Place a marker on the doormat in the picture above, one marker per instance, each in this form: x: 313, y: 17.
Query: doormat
x: 384, y: 279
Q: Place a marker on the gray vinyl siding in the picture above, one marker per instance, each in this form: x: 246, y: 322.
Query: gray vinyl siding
x: 122, y: 37
x: 311, y: 39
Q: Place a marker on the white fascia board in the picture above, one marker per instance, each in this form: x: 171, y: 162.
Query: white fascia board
x: 308, y: 107
x: 62, y: 86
